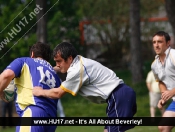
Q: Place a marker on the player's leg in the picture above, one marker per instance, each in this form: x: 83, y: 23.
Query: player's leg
x: 152, y: 102
x: 170, y: 112
x: 60, y: 110
x: 156, y: 97
x: 162, y: 111
x: 152, y: 111
x: 121, y: 103
x: 3, y: 108
x: 34, y: 111
x: 105, y: 130
x: 10, y: 109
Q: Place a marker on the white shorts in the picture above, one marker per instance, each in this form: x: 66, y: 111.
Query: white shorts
x: 154, y: 98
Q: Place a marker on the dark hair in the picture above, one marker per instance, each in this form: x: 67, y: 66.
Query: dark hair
x: 41, y: 50
x: 162, y: 33
x: 65, y: 50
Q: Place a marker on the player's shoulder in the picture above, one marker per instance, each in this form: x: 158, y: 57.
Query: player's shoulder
x: 172, y: 51
x: 82, y: 61
x: 88, y: 60
x: 23, y: 58
x: 154, y: 61
x: 153, y: 64
x: 150, y: 72
x: 19, y: 60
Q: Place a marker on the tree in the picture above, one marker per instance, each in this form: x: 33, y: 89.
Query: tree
x: 41, y: 21
x: 17, y: 30
x: 63, y: 24
x: 135, y: 43
x: 169, y: 6
x: 112, y: 26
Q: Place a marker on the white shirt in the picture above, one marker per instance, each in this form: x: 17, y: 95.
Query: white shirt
x: 166, y: 72
x: 90, y: 79
x: 154, y: 84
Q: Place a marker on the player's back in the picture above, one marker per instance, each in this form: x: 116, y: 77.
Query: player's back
x: 30, y: 73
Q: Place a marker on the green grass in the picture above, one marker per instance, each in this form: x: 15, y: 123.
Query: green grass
x: 80, y: 107
x: 93, y: 129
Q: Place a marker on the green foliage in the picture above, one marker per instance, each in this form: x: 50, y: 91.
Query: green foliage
x: 111, y: 19
x: 148, y: 9
x: 17, y: 30
x: 63, y: 24
x: 20, y: 27
x: 94, y: 129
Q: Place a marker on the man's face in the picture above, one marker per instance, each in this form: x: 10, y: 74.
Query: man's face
x: 160, y: 45
x: 62, y: 64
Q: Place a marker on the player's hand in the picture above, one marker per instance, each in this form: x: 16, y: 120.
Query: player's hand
x: 161, y: 103
x: 37, y: 91
x: 166, y: 95
x: 57, y: 69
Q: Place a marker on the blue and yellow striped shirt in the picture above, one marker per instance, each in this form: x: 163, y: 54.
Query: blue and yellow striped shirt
x: 29, y: 73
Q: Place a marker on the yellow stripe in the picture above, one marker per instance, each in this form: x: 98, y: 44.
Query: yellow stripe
x: 24, y: 88
x: 81, y: 72
x: 27, y: 113
x: 81, y: 77
x: 67, y: 90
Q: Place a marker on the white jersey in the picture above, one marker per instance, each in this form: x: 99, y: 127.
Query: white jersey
x: 166, y: 72
x: 90, y: 79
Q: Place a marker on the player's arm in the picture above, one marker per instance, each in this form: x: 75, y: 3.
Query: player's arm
x: 166, y: 94
x: 5, y: 78
x: 161, y: 103
x: 149, y: 86
x: 53, y: 93
x: 162, y: 87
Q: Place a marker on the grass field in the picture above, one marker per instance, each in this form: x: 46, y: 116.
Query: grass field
x: 93, y: 129
x: 79, y: 107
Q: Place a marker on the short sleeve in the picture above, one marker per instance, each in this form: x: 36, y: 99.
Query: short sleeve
x: 149, y: 78
x: 75, y: 78
x: 16, y: 66
x: 72, y: 82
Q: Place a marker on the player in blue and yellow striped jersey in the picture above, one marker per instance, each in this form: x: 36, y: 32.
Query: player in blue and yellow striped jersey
x: 29, y: 72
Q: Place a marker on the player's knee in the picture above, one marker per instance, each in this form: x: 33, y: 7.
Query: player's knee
x: 163, y: 128
x: 160, y: 128
x: 105, y: 130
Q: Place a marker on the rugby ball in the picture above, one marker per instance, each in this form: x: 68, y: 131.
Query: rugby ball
x: 9, y: 92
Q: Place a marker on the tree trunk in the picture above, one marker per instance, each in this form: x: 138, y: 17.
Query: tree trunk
x: 41, y: 21
x: 169, y: 6
x: 135, y: 42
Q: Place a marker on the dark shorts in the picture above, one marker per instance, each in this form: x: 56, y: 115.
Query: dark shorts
x: 35, y: 111
x: 121, y: 103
